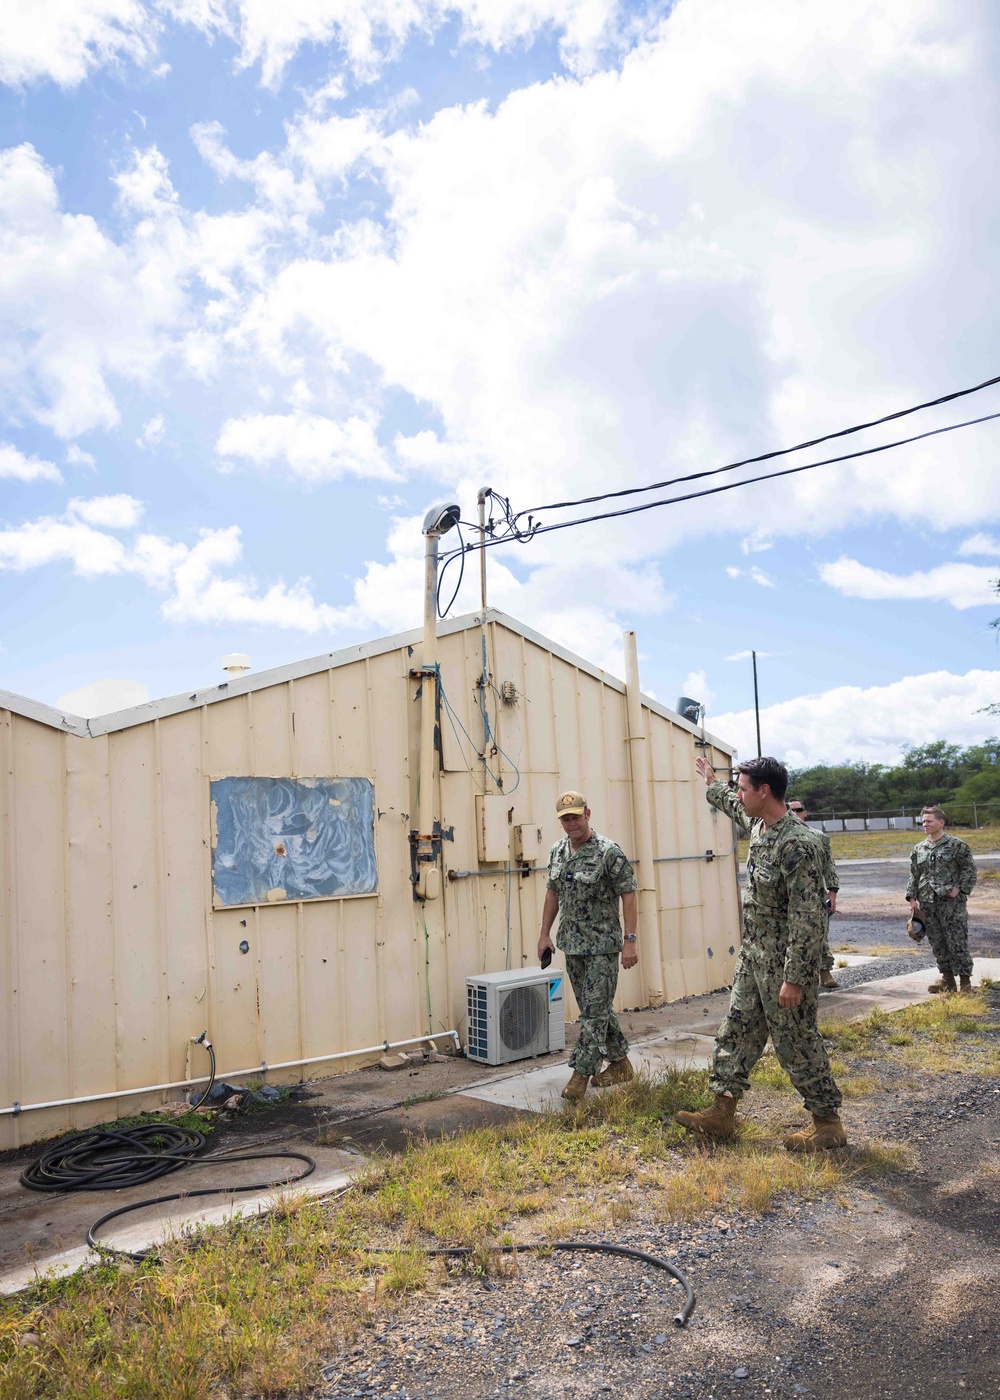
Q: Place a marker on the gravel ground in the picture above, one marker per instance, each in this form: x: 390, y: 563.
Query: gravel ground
x: 878, y: 1294
x: 886, y: 967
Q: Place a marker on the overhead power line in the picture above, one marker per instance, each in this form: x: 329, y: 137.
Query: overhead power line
x: 536, y: 528
x: 769, y: 456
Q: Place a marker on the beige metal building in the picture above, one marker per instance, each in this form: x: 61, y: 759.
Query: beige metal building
x: 240, y: 860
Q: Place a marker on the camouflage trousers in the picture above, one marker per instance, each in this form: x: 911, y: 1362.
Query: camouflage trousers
x: 947, y: 924
x: 754, y: 1014
x: 594, y: 979
x: 826, y: 959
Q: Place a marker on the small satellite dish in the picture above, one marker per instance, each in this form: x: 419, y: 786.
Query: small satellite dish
x: 689, y: 709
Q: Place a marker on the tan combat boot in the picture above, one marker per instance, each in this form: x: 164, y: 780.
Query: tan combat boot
x: 718, y: 1121
x: 827, y: 979
x: 577, y: 1087
x: 617, y: 1072
x: 824, y: 1132
x: 965, y: 986
x: 945, y: 983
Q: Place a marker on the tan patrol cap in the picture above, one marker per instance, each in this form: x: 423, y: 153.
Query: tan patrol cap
x: 571, y: 804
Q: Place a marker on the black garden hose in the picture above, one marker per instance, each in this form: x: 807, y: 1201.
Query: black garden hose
x: 581, y: 1246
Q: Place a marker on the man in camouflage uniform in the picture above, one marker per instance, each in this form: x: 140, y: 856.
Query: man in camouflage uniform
x: 942, y: 876
x: 775, y: 982
x: 831, y: 880
x: 588, y: 874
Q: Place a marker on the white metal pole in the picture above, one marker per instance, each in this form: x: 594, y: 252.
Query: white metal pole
x: 428, y: 887
x: 650, y: 962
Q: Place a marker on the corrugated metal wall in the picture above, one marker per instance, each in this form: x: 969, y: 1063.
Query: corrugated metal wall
x: 114, y: 956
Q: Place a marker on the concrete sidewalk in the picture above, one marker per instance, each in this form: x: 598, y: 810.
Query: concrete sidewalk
x: 44, y: 1235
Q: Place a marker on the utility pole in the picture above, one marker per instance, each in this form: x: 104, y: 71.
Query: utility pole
x: 756, y: 700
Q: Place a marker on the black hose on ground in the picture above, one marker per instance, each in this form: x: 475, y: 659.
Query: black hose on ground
x: 583, y: 1246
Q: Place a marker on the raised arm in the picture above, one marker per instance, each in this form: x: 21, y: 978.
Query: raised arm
x: 721, y: 796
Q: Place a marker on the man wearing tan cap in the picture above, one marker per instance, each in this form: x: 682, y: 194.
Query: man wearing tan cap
x: 588, y: 874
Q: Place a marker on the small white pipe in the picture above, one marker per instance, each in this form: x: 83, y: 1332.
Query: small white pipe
x: 234, y: 1073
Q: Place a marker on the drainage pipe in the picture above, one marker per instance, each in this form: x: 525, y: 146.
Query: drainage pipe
x: 385, y: 1046
x: 650, y: 964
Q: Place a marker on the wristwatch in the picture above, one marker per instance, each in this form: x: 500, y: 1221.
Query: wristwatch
x: 630, y: 937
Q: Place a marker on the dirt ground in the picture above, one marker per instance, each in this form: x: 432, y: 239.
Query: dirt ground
x: 877, y: 1294
x: 887, y: 1292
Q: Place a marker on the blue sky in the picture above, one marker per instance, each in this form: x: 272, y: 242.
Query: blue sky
x: 275, y: 278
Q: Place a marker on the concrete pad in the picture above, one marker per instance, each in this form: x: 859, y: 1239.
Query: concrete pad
x: 893, y: 993
x: 540, y: 1090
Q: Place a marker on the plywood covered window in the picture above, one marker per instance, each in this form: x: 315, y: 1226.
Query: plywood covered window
x: 280, y: 839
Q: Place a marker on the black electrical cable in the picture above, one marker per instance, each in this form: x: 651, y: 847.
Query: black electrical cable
x: 577, y: 1246
x: 539, y: 529
x: 768, y: 456
x: 212, y: 1159
x: 460, y: 552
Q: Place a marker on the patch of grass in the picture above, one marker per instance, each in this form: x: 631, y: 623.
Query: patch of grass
x: 414, y: 1099
x: 250, y: 1308
x: 989, y: 984
x: 875, y: 845
x: 928, y: 1036
x: 768, y: 1074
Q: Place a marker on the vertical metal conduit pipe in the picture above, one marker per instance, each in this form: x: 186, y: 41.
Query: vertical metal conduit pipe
x: 650, y: 963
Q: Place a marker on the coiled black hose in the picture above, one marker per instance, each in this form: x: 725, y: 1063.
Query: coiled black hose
x: 109, y: 1159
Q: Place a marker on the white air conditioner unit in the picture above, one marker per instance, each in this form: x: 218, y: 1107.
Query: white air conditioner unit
x: 514, y: 1015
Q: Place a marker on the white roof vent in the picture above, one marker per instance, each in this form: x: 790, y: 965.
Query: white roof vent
x: 236, y: 664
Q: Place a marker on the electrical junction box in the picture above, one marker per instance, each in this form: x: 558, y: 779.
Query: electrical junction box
x: 515, y: 1015
x: 493, y: 820
x: 527, y: 843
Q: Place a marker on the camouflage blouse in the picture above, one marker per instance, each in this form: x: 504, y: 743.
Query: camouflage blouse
x: 588, y: 883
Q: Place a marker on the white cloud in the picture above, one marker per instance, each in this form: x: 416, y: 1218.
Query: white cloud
x: 961, y: 585
x: 757, y: 543
x: 48, y: 540
x: 746, y: 655
x: 80, y: 309
x: 152, y: 432
x: 755, y: 575
x: 76, y: 457
x: 873, y: 724
x: 981, y: 544
x: 15, y: 466
x: 113, y: 512
x: 306, y: 446
x: 193, y: 577
x: 103, y: 698
x: 372, y: 32
x: 695, y: 685
x: 64, y: 40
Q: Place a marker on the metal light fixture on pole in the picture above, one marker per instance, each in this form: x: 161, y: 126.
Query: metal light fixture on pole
x: 437, y: 522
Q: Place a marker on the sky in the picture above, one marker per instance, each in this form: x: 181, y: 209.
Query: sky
x: 274, y: 279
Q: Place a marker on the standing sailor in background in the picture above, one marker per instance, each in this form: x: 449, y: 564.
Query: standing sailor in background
x: 942, y: 876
